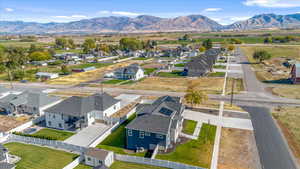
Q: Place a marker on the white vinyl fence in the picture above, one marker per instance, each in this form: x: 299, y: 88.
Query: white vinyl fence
x: 154, y: 162
x: 28, y: 124
x: 75, y: 163
x: 49, y: 143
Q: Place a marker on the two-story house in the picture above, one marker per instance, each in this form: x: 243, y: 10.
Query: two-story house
x: 156, y: 124
x: 131, y: 72
x: 79, y: 112
x: 295, y: 73
x: 28, y: 102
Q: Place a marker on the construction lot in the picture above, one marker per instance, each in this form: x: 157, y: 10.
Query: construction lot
x: 7, y: 123
x: 238, y: 150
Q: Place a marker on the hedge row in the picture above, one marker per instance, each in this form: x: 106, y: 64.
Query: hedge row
x: 36, y: 136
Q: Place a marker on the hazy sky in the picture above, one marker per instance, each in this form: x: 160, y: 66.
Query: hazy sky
x: 223, y: 11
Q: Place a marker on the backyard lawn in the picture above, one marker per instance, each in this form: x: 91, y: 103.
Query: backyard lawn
x: 174, y: 74
x: 35, y: 157
x: 125, y: 165
x: 148, y: 71
x: 219, y: 67
x: 194, y: 152
x: 189, y: 126
x: 113, y: 81
x: 216, y: 74
x: 57, y: 134
x: 116, y: 141
x: 82, y: 166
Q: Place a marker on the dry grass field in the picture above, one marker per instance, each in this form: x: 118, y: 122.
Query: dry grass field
x: 238, y: 150
x: 288, y: 119
x: 209, y: 85
x: 288, y: 91
x: 82, y: 77
x: 7, y: 123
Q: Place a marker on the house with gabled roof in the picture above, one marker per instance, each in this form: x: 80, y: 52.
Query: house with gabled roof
x: 79, y: 112
x: 295, y: 73
x: 28, y: 102
x: 156, y: 124
x: 131, y: 72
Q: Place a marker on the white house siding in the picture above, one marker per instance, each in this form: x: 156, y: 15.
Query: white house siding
x: 112, y: 110
x: 92, y: 161
x: 139, y: 75
x: 90, y: 118
x: 41, y: 111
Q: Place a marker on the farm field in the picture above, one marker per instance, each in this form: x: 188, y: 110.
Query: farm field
x: 35, y: 157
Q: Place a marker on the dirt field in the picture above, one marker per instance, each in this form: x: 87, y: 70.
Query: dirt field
x: 288, y: 119
x: 238, y: 150
x: 210, y: 85
x: 7, y: 123
x: 78, y: 78
x: 288, y: 91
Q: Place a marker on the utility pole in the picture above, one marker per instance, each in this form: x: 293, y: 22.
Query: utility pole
x: 232, y: 90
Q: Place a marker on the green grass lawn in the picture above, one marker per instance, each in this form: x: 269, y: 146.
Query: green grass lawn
x: 194, y: 152
x: 125, y: 165
x: 58, y: 134
x: 216, y: 74
x: 139, y: 58
x: 148, y: 71
x: 116, y: 141
x: 35, y: 157
x: 189, y: 126
x: 82, y: 166
x: 79, y: 51
x: 113, y: 81
x: 173, y: 74
x: 180, y: 65
x: 219, y: 67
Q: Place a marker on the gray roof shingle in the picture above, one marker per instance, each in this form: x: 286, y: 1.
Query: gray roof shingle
x: 79, y: 106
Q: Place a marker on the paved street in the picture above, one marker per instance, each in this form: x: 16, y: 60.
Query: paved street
x: 274, y: 152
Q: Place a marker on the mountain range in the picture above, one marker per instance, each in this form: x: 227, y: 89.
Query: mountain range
x: 146, y: 23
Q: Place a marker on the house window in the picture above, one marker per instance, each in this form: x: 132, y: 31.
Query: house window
x: 142, y: 134
x: 115, y: 107
x: 53, y: 116
x: 89, y: 159
x: 129, y: 132
x: 147, y: 134
x: 49, y: 123
x: 159, y: 136
x: 60, y: 126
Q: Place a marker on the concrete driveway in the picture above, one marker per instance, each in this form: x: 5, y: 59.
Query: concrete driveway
x: 87, y: 135
x: 127, y: 99
x: 212, y: 119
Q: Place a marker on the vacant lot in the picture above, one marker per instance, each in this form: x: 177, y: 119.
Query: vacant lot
x: 238, y: 150
x: 7, y: 123
x: 288, y: 91
x: 238, y: 86
x: 288, y: 119
x: 55, y: 134
x: 78, y: 78
x: 35, y: 157
x: 194, y: 152
x: 210, y: 85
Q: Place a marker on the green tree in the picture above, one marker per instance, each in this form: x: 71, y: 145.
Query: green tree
x: 261, y: 55
x: 61, y: 43
x: 194, y: 96
x: 89, y: 45
x: 65, y: 70
x: 103, y: 47
x: 202, y: 49
x: 39, y: 56
x: 268, y: 40
x: 207, y: 44
x: 15, y: 58
x: 130, y: 44
x: 71, y: 44
x: 231, y: 47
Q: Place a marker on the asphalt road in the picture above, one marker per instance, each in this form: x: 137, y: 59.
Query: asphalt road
x: 273, y: 150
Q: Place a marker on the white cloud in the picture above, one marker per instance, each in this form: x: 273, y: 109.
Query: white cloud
x: 273, y: 3
x: 8, y: 9
x: 121, y: 13
x: 212, y: 9
x: 70, y: 17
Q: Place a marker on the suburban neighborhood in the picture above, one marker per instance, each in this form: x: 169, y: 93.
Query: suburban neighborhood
x: 169, y: 87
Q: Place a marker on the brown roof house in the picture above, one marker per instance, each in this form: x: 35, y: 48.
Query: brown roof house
x: 99, y: 158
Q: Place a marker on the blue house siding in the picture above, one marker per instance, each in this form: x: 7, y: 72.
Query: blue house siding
x: 134, y: 141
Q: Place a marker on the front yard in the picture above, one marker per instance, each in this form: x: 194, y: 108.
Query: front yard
x: 125, y: 165
x: 116, y: 141
x: 173, y: 74
x: 194, y: 152
x: 189, y: 126
x: 35, y: 157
